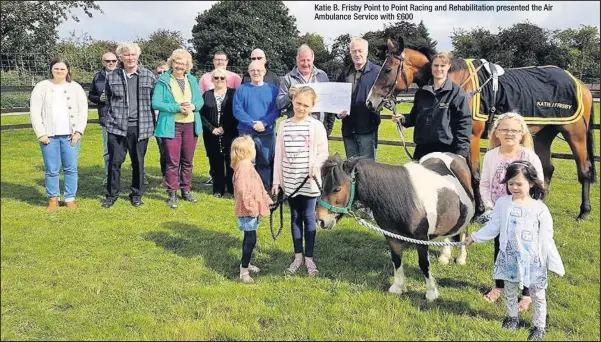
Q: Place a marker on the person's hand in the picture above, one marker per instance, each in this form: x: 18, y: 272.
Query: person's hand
x: 258, y: 126
x: 44, y: 140
x: 184, y: 108
x: 292, y: 91
x: 221, y: 131
x: 315, y: 171
x: 397, y: 118
x: 216, y: 131
x: 75, y: 138
x: 468, y: 240
x: 274, y: 189
x: 103, y: 97
x: 342, y: 114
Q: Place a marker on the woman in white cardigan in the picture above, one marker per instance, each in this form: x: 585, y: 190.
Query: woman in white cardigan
x: 59, y: 115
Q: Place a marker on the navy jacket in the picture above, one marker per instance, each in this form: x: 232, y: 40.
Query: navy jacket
x: 96, y: 89
x: 361, y: 120
x: 441, y: 117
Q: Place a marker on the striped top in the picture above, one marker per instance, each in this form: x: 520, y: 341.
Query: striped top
x: 295, y: 164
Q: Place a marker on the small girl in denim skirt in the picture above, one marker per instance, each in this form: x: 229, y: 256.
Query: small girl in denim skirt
x: 251, y: 200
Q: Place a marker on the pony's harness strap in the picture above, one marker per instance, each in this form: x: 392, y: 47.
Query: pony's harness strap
x: 347, y: 208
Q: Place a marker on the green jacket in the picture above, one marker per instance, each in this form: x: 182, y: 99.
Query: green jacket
x: 164, y: 101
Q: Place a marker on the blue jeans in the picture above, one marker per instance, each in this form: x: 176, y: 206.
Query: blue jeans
x: 105, y: 152
x: 60, y: 152
x: 360, y: 145
x: 302, y: 222
x: 265, y: 146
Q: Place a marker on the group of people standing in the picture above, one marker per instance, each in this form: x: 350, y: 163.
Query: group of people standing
x: 236, y: 117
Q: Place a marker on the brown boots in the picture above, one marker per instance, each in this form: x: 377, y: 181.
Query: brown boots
x: 71, y: 205
x: 52, y: 203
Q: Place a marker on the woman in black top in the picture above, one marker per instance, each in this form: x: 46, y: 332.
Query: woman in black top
x: 219, y: 129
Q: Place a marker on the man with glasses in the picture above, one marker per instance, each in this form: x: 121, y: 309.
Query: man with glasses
x: 97, y: 96
x: 270, y: 76
x: 232, y: 80
x: 256, y: 110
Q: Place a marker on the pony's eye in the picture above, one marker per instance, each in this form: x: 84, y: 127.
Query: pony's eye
x: 337, y: 190
x: 387, y: 70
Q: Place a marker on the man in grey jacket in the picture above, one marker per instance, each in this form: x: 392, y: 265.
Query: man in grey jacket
x: 304, y: 72
x: 129, y: 121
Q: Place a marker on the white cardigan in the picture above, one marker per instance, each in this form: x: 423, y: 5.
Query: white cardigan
x: 41, y: 108
x: 498, y: 226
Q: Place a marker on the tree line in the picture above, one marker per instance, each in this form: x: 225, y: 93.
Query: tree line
x: 30, y: 28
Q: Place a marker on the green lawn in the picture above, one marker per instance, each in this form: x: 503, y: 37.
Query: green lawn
x: 153, y: 273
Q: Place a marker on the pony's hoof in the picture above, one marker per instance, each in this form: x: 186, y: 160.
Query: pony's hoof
x: 397, y: 289
x: 460, y: 261
x: 443, y: 260
x: 432, y: 295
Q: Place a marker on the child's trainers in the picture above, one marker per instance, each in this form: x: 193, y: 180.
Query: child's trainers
x: 311, y: 267
x: 253, y: 268
x: 245, y: 276
x: 294, y: 266
x: 536, y: 334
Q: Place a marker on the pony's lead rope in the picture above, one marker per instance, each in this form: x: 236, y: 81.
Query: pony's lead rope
x: 404, y: 238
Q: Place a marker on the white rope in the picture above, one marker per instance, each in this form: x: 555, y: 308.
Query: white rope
x: 404, y: 238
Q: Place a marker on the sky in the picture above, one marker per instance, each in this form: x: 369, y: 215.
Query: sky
x: 129, y: 20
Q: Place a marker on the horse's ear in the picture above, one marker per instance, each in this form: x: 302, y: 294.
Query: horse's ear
x: 390, y: 46
x: 401, y: 44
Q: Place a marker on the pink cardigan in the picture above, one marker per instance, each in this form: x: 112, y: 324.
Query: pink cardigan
x: 232, y: 80
x: 250, y: 196
x: 318, y: 150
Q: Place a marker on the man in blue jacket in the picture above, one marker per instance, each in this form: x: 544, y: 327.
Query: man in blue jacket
x: 97, y: 96
x: 360, y: 126
x: 256, y: 110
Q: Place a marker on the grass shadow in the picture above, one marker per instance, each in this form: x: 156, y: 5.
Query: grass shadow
x: 23, y: 193
x: 221, y: 252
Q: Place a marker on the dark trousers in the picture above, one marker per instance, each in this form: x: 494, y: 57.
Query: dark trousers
x: 265, y: 147
x: 422, y: 150
x: 302, y: 219
x: 360, y: 145
x: 218, y: 150
x: 180, y: 153
x: 501, y: 283
x: 118, y: 147
x: 163, y: 156
x: 248, y: 245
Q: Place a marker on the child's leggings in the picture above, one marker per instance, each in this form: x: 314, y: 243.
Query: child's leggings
x: 248, y: 244
x: 302, y: 212
x: 539, y: 302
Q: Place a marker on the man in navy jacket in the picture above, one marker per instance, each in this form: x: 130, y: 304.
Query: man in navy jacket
x: 360, y: 126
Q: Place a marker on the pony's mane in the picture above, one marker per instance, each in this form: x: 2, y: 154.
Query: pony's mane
x: 336, y: 171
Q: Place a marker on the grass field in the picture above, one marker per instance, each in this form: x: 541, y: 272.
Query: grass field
x: 152, y: 273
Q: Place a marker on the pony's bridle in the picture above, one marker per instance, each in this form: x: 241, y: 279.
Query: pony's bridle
x: 351, y: 198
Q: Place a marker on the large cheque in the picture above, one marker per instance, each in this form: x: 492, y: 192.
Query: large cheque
x: 332, y: 97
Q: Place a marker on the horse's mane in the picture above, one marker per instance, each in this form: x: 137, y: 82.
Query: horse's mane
x: 386, y: 186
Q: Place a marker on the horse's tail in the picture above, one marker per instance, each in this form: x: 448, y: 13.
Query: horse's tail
x: 590, y: 145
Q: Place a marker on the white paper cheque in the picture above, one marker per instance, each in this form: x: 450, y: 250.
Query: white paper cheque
x: 332, y: 97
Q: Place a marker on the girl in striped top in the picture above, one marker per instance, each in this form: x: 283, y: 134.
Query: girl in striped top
x: 300, y: 150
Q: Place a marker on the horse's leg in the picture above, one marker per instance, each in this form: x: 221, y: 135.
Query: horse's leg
x: 575, y: 135
x: 462, y: 258
x: 445, y: 254
x: 474, y: 163
x: 424, y: 265
x: 396, y: 251
x: 542, y: 146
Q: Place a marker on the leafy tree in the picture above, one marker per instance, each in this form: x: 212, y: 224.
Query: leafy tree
x: 424, y: 34
x: 238, y: 27
x: 582, y: 48
x: 31, y: 26
x: 340, y: 56
x: 477, y: 43
x: 159, y: 45
x: 410, y: 33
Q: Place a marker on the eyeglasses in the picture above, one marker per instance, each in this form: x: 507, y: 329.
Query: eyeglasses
x: 160, y: 72
x: 256, y: 71
x: 110, y: 60
x: 256, y: 58
x: 219, y: 78
x: 512, y: 131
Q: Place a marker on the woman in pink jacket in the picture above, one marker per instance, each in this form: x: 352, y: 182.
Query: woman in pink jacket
x: 300, y: 150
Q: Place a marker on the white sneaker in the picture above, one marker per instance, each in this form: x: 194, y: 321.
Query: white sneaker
x: 253, y: 268
x: 245, y: 276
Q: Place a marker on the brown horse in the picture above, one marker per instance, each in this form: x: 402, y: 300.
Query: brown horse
x: 405, y: 65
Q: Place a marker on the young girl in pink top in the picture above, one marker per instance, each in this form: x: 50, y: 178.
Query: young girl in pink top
x: 300, y: 150
x: 509, y: 140
x: 251, y: 200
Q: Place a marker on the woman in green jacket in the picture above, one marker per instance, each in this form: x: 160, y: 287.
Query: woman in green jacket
x: 178, y: 99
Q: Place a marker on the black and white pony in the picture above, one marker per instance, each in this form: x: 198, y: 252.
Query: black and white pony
x: 425, y: 200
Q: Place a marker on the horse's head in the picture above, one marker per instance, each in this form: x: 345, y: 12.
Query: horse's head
x: 402, y: 67
x: 337, y: 191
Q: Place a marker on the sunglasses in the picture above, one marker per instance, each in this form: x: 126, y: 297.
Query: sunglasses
x: 219, y: 78
x: 255, y: 58
x: 110, y: 60
x: 160, y: 72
